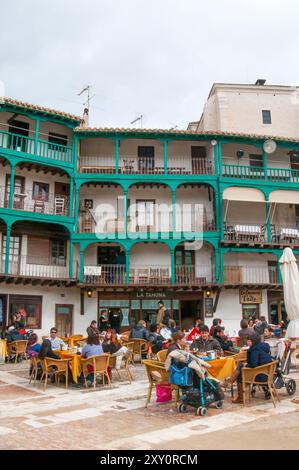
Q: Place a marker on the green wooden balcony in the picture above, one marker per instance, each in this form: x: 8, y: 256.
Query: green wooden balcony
x: 283, y: 175
x: 243, y: 172
x: 41, y: 148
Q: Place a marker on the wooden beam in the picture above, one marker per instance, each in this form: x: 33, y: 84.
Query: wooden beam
x: 216, y: 300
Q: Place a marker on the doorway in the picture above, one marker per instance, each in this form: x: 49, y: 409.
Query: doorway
x: 198, y: 158
x: 191, y: 310
x: 146, y: 160
x: 20, y: 129
x: 64, y: 319
x: 3, y: 314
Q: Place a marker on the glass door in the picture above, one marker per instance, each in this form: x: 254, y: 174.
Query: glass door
x: 145, y: 216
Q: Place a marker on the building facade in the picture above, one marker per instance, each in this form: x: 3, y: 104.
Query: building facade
x: 254, y: 109
x: 103, y: 219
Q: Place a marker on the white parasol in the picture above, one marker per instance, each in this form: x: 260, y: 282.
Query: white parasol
x: 290, y: 278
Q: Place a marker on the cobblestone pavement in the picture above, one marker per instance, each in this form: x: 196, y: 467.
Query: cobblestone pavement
x: 112, y: 417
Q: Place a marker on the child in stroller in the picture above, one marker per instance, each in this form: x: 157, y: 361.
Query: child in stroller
x: 189, y: 373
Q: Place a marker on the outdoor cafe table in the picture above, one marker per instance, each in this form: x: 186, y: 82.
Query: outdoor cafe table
x: 221, y: 368
x: 72, y: 339
x: 74, y: 363
x: 3, y: 349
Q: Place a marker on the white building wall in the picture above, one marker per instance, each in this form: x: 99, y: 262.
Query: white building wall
x: 150, y: 255
x: 52, y: 296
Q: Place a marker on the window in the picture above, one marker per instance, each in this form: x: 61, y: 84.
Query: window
x: 40, y: 191
x: 256, y: 160
x: 266, y: 116
x: 57, y: 139
x: 32, y: 306
x: 294, y: 160
x: 14, y: 252
x: 58, y: 252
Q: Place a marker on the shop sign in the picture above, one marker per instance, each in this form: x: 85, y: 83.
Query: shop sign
x: 92, y: 270
x: 209, y: 308
x: 144, y: 294
x: 250, y: 296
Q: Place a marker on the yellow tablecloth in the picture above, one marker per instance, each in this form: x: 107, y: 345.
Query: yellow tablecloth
x: 221, y: 368
x: 72, y: 339
x: 3, y: 348
x: 74, y: 364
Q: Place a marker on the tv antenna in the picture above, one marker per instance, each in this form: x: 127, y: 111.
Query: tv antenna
x: 87, y: 89
x: 139, y: 118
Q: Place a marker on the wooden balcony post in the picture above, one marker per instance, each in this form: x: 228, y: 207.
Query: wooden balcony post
x: 221, y: 267
x: 265, y: 164
x: 12, y: 185
x: 219, y: 153
x: 36, y: 134
x: 81, y: 275
x: 126, y: 213
x: 127, y: 266
x: 71, y: 259
x: 7, y: 250
x: 173, y: 194
x: 269, y: 236
x: 172, y: 256
x: 76, y: 211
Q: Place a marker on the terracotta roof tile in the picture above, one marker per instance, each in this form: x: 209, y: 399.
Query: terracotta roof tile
x: 42, y: 109
x: 110, y: 130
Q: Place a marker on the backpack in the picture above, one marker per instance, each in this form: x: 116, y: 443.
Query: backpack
x: 183, y: 377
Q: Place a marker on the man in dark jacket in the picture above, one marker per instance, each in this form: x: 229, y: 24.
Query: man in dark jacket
x: 139, y: 331
x: 205, y: 343
x: 115, y: 319
x: 225, y: 344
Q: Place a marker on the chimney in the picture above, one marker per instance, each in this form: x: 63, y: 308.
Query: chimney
x: 260, y: 82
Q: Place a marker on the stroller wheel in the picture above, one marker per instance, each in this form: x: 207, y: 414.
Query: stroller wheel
x: 291, y: 387
x: 219, y: 404
x: 253, y: 392
x: 267, y: 395
x: 182, y: 408
x: 201, y: 411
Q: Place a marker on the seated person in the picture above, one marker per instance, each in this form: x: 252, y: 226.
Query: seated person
x: 269, y: 338
x: 33, y: 346
x: 173, y: 327
x: 92, y: 347
x: 216, y: 322
x: 205, y: 342
x: 156, y: 339
x: 258, y: 354
x: 165, y: 331
x: 46, y: 350
x: 178, y: 353
x: 139, y: 331
x: 14, y: 334
x: 56, y: 342
x: 196, y: 331
x: 92, y: 330
x: 225, y: 344
x: 113, y: 346
x: 260, y: 325
x: 245, y: 332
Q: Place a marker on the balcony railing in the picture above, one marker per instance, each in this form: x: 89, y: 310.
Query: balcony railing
x: 250, y: 275
x: 52, y: 204
x: 105, y: 274
x: 243, y: 172
x: 284, y: 234
x: 44, y: 149
x: 133, y: 165
x: 38, y: 267
x: 283, y: 175
x: 155, y: 275
x: 194, y: 275
x: 244, y: 232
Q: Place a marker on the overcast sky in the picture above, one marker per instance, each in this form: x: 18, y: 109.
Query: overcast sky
x: 153, y: 57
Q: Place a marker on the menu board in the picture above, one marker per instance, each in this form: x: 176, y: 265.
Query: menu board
x: 209, y: 308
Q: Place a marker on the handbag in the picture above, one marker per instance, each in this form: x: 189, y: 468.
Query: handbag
x: 183, y: 377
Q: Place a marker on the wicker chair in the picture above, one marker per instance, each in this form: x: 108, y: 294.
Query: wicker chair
x: 100, y: 366
x: 157, y: 373
x: 18, y: 348
x: 56, y: 368
x: 125, y: 363
x: 161, y: 355
x: 249, y: 378
x: 34, y: 361
x: 140, y: 346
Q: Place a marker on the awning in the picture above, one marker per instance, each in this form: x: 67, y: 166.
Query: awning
x: 284, y: 197
x: 243, y: 194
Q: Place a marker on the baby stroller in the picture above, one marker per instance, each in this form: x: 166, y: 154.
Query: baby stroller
x: 281, y: 378
x: 196, y: 392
